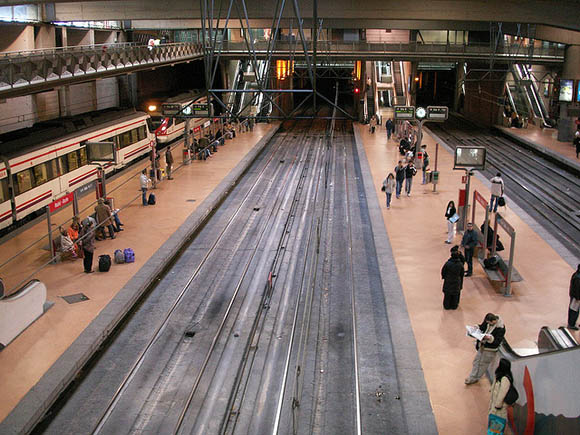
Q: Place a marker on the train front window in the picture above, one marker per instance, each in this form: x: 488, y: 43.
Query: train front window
x: 23, y: 181
x: 156, y: 122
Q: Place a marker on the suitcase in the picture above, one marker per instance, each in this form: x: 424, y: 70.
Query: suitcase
x: 119, y: 256
x: 129, y: 255
x: 104, y: 263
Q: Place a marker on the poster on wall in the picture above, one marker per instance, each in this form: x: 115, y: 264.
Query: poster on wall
x: 566, y: 90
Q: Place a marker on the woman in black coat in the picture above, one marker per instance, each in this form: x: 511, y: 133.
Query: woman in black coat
x: 452, y: 275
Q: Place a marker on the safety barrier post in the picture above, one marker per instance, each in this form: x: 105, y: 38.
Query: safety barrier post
x: 50, y: 241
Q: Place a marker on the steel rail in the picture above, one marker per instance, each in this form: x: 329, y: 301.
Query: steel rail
x: 132, y: 372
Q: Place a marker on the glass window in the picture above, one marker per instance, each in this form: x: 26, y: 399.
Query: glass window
x: 52, y: 169
x: 83, y: 156
x: 62, y: 165
x: 142, y: 132
x: 134, y: 136
x: 40, y: 174
x: 23, y: 181
x: 4, y: 190
x: 125, y: 139
x: 73, y: 161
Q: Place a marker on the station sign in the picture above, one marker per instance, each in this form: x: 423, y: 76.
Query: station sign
x: 170, y: 109
x: 206, y: 124
x: 61, y: 202
x: 200, y: 109
x: 404, y: 112
x: 437, y: 113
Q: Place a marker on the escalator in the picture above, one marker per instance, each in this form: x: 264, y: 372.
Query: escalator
x: 524, y: 80
x: 399, y: 81
x: 548, y: 384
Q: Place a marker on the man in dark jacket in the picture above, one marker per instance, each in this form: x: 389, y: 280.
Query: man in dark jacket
x: 452, y: 275
x: 493, y: 330
x: 390, y: 127
x: 168, y: 162
x: 469, y: 242
x: 399, y: 178
x: 87, y: 238
x: 574, y: 300
x: 410, y: 172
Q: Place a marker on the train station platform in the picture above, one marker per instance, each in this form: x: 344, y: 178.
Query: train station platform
x: 417, y: 229
x: 146, y: 229
x: 544, y: 140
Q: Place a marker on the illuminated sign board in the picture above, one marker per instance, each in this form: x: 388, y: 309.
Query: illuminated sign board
x: 566, y: 91
x: 437, y: 113
x: 404, y: 112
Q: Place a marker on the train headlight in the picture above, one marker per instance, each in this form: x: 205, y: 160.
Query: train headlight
x: 152, y: 108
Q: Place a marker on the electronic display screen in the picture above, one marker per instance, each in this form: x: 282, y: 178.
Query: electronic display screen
x: 470, y: 157
x: 566, y: 91
x: 404, y: 112
x: 578, y: 92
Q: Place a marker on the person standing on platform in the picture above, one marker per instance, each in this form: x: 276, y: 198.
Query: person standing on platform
x: 425, y: 162
x: 87, y: 237
x: 390, y: 127
x: 399, y: 178
x: 493, y: 330
x: 104, y: 218
x: 469, y: 242
x: 144, y: 181
x: 169, y: 162
x: 388, y: 186
x: 459, y: 254
x: 497, y: 190
x: 499, y: 389
x: 373, y: 124
x: 410, y: 172
x: 452, y: 276
x: 577, y: 143
x: 574, y: 300
x: 450, y: 213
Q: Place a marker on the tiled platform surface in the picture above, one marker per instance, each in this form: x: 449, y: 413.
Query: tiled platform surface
x: 29, y: 356
x: 545, y: 140
x: 417, y: 230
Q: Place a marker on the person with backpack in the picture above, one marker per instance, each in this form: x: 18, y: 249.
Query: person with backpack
x: 410, y: 172
x: 493, y: 330
x: 388, y: 186
x: 144, y: 182
x: 497, y: 190
x: 399, y: 178
x: 498, y: 401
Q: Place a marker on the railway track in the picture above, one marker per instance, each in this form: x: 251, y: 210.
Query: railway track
x: 547, y: 192
x: 273, y: 320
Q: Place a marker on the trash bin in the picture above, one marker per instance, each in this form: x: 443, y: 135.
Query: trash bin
x: 186, y: 156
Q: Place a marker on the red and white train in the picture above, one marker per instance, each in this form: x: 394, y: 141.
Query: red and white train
x: 44, y: 165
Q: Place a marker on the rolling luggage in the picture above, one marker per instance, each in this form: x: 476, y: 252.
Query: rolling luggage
x: 104, y: 263
x: 119, y: 256
x: 129, y: 255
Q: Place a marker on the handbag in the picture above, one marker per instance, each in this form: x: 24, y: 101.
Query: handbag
x: 501, y: 201
x: 495, y: 425
x: 383, y: 188
x: 454, y: 218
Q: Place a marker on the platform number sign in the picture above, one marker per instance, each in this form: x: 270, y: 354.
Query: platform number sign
x: 404, y: 112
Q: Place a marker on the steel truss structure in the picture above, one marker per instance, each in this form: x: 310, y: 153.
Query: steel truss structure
x: 213, y: 45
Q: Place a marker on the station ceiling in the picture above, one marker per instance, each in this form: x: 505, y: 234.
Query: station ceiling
x: 550, y: 15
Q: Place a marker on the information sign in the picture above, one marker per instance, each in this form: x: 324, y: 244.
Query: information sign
x: 437, y: 113
x: 170, y: 109
x: 100, y: 151
x: 404, y: 112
